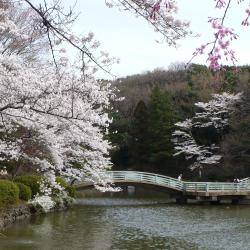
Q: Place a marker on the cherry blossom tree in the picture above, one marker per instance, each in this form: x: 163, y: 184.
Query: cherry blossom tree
x: 62, y: 109
x: 28, y: 40
x: 60, y: 105
x: 56, y: 23
x: 214, y: 114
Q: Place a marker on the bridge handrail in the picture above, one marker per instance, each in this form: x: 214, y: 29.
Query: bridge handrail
x: 145, y: 177
x: 174, y: 179
x: 144, y: 173
x: 174, y: 183
x: 244, y: 179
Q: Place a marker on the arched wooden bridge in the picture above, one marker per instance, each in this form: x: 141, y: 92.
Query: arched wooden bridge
x: 194, y: 190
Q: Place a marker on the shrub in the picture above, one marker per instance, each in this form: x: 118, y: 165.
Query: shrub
x: 69, y: 189
x: 9, y: 193
x: 61, y: 181
x: 24, y: 191
x: 31, y: 181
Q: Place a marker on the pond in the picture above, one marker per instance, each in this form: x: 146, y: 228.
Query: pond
x: 130, y: 223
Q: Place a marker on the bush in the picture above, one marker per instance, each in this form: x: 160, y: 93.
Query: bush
x: 69, y: 189
x: 24, y: 191
x: 32, y: 181
x: 61, y: 181
x: 9, y: 193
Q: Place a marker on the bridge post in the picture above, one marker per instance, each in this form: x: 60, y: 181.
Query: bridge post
x: 207, y: 187
x: 184, y: 187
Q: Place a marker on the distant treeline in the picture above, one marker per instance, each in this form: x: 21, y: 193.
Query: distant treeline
x: 155, y: 101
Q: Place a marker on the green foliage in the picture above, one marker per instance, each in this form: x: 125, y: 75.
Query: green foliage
x: 162, y: 118
x: 196, y: 70
x: 10, y: 166
x: 146, y: 119
x: 24, y: 191
x: 183, y: 101
x: 69, y: 189
x: 148, y: 133
x: 61, y: 181
x: 120, y: 138
x: 236, y: 145
x: 139, y: 130
x: 32, y: 181
x: 9, y: 193
x: 120, y: 124
x: 231, y: 80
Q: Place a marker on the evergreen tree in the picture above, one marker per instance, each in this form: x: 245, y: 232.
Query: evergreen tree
x: 120, y: 138
x: 162, y: 118
x: 139, y: 127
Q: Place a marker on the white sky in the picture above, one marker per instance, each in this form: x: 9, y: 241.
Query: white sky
x: 133, y: 40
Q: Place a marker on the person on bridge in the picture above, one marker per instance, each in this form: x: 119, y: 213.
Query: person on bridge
x: 180, y: 177
x: 236, y: 181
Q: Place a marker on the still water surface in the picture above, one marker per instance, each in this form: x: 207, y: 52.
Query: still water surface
x: 131, y: 224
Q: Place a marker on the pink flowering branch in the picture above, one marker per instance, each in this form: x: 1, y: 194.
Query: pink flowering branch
x: 245, y: 22
x: 160, y: 14
x: 220, y: 3
x: 220, y: 47
x: 223, y: 38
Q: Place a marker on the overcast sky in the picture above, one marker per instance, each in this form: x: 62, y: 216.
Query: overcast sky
x: 133, y: 40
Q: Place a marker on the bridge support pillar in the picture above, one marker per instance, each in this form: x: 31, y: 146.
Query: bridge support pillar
x: 214, y: 200
x: 131, y: 190
x: 181, y: 200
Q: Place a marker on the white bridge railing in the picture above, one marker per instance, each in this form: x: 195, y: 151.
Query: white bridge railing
x: 172, y: 183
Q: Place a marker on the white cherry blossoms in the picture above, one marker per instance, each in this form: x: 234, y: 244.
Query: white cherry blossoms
x: 214, y: 115
x: 55, y: 119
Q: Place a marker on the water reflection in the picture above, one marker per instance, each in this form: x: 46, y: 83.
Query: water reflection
x: 127, y: 223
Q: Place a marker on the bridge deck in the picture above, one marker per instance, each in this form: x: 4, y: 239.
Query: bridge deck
x: 187, y: 188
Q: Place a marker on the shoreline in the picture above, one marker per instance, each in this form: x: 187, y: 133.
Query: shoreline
x: 22, y: 211
x: 17, y: 212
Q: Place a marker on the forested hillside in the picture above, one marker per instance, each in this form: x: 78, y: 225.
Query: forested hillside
x: 154, y: 101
